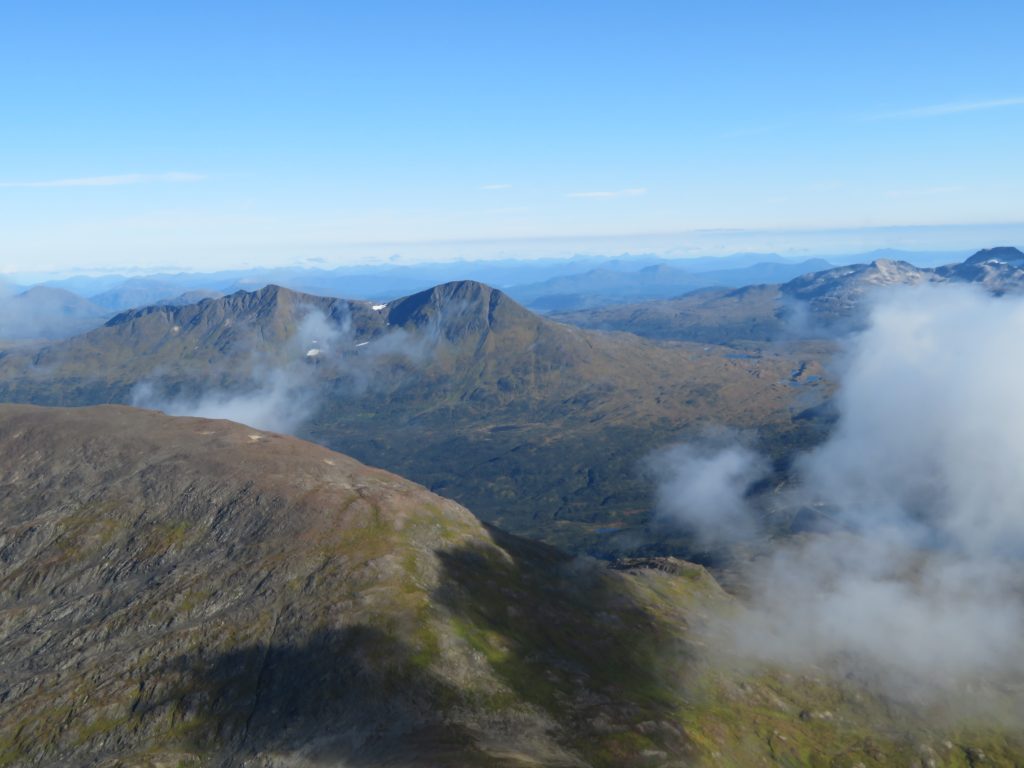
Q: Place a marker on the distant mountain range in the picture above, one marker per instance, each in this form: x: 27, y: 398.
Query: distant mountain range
x: 815, y: 305
x: 541, y: 283
x: 601, y: 287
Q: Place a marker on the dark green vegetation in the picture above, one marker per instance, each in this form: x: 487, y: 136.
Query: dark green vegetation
x: 184, y: 592
x: 540, y: 427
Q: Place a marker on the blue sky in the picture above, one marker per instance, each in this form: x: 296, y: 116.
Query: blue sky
x: 204, y: 135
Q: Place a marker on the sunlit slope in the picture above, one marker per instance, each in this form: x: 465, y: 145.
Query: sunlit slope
x: 183, y: 587
x: 216, y: 341
x: 194, y: 592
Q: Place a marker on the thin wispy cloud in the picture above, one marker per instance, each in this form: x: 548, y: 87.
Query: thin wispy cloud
x: 609, y: 194
x: 107, y: 181
x: 495, y: 187
x: 954, y: 108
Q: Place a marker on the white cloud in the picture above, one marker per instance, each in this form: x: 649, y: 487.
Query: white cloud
x: 702, y: 486
x: 913, y: 579
x: 107, y: 181
x: 636, y: 192
x: 938, y: 110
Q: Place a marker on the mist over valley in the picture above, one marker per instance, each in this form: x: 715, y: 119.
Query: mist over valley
x: 864, y: 545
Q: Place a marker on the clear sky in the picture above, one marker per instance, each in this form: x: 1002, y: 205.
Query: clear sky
x: 214, y: 134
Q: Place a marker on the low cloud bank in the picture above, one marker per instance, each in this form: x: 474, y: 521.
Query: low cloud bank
x: 281, y: 401
x: 322, y: 359
x: 921, y: 586
x: 279, y: 398
x: 702, y: 486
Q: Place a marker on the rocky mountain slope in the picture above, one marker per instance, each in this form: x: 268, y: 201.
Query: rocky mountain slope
x: 537, y: 425
x: 999, y: 270
x: 835, y: 295
x: 184, y: 588
x: 185, y: 592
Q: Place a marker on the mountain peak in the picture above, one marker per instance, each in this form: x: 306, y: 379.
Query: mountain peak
x: 265, y: 302
x: 458, y: 308
x: 1006, y: 254
x: 269, y: 300
x: 268, y: 294
x: 893, y: 268
x: 462, y: 290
